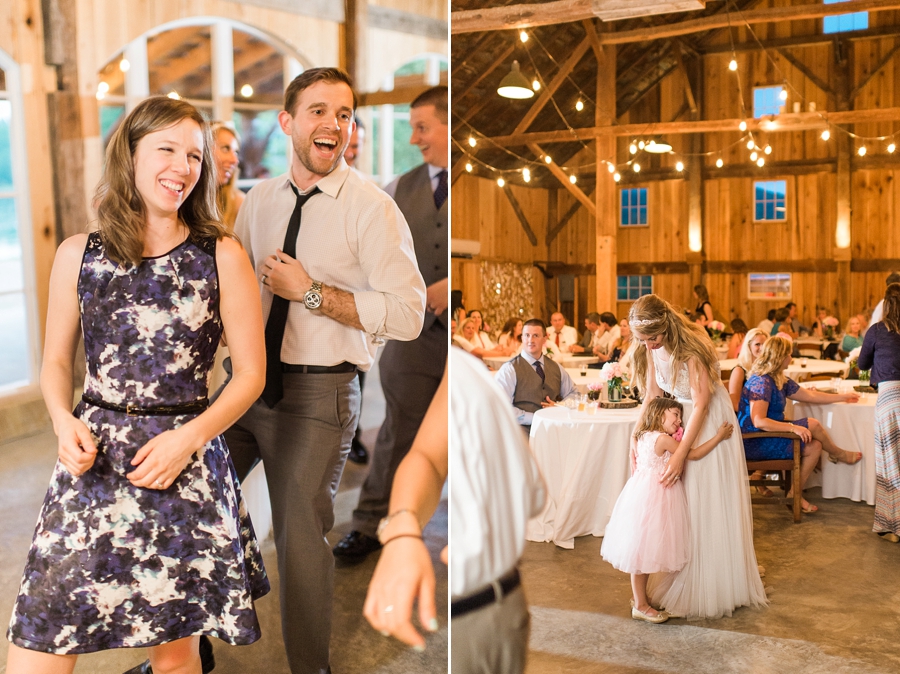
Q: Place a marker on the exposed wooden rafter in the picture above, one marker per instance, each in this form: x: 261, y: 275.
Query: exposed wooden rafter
x: 529, y: 232
x: 564, y: 179
x: 881, y: 64
x: 564, y: 220
x: 807, y: 72
x: 497, y: 62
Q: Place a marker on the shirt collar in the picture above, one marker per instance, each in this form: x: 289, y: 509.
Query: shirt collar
x: 330, y: 184
x: 434, y: 170
x: 531, y: 361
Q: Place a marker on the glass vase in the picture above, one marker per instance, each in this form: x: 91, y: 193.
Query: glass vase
x: 615, y: 392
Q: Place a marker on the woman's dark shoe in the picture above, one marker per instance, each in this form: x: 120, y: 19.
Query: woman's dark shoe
x: 354, y: 548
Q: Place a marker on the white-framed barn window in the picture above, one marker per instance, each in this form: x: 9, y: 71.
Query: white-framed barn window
x: 771, y: 286
x: 770, y: 200
x: 19, y: 345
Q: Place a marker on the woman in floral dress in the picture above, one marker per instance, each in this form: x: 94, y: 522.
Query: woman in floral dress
x: 143, y: 539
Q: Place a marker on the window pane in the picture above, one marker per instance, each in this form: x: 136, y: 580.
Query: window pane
x: 643, y: 196
x: 13, y: 339
x: 6, y: 182
x: 623, y: 294
x: 621, y: 281
x: 110, y: 118
x: 643, y: 217
x: 766, y: 101
x: 258, y: 70
x: 179, y: 60
x: 263, y: 145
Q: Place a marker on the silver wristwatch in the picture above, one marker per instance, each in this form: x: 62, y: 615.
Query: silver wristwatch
x: 313, y: 297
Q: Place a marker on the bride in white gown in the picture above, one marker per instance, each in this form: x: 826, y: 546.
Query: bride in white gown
x: 722, y: 573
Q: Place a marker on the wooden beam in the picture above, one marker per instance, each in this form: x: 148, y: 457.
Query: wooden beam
x: 873, y: 33
x: 591, y: 31
x: 396, y: 97
x: 356, y: 20
x: 500, y: 59
x: 723, y: 20
x: 688, y: 91
x: 650, y: 268
x: 800, y: 121
x: 317, y: 9
x: 519, y: 214
x: 797, y: 167
x: 458, y: 167
x: 564, y: 220
x: 874, y: 265
x: 753, y: 266
x: 564, y: 179
x: 841, y: 252
x: 399, y: 21
x: 561, y: 11
x: 803, y: 68
x: 550, y: 89
x: 551, y: 268
x: 868, y: 78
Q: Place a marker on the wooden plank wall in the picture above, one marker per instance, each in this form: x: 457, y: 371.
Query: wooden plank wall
x: 730, y: 235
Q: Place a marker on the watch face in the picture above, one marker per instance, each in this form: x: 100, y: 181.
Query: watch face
x: 312, y: 300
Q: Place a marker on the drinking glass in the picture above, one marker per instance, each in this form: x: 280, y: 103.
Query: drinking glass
x: 592, y: 407
x: 582, y: 401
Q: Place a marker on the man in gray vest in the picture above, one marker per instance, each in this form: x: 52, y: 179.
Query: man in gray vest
x: 410, y: 371
x: 531, y: 380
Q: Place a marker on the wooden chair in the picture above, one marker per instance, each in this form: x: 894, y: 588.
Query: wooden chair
x: 789, y: 474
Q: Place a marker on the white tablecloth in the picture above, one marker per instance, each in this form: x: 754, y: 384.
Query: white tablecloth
x: 582, y: 378
x: 852, y: 427
x: 496, y: 362
x: 584, y: 460
x: 796, y: 368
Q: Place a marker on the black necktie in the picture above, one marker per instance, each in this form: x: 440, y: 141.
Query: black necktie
x: 274, y: 390
x: 440, y: 193
x: 539, y: 370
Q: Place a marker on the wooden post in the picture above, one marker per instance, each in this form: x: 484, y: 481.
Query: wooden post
x: 695, y: 255
x: 64, y: 119
x: 222, y: 47
x: 606, y: 215
x: 842, y: 251
x: 354, y: 51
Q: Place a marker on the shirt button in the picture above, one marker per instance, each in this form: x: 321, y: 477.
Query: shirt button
x: 437, y: 245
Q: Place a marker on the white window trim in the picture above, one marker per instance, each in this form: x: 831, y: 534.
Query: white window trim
x: 760, y: 296
x: 627, y: 287
x: 22, y: 197
x: 781, y: 106
x: 753, y: 201
x: 645, y: 224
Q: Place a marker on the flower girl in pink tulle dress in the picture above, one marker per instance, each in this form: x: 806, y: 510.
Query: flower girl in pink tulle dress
x: 649, y: 530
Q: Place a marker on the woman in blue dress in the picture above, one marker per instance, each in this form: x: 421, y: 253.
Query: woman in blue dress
x: 143, y: 539
x: 761, y: 408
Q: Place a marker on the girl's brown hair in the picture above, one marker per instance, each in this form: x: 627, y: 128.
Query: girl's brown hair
x: 891, y: 316
x: 227, y: 195
x: 121, y: 211
x: 773, y: 353
x: 651, y: 316
x: 652, y: 419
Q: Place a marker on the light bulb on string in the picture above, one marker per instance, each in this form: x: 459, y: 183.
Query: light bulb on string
x: 743, y: 125
x: 124, y: 65
x: 617, y: 177
x: 768, y: 149
x: 523, y: 36
x: 641, y: 145
x: 679, y: 166
x: 891, y: 148
x: 536, y: 85
x: 573, y: 179
x: 469, y: 167
x: 472, y: 141
x: 526, y: 175
x: 548, y: 159
x: 732, y: 65
x: 579, y: 106
x: 719, y: 163
x: 783, y: 94
x: 611, y: 167
x: 632, y: 148
x: 636, y: 167
x: 501, y: 182
x: 753, y: 156
x: 862, y: 151
x: 826, y: 134
x: 761, y: 162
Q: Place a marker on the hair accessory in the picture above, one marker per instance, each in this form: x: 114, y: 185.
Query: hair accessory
x: 645, y: 321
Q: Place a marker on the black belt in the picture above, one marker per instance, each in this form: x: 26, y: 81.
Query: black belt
x: 152, y: 411
x: 318, y: 369
x: 496, y: 591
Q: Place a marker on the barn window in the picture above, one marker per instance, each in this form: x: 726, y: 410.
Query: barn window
x: 769, y: 197
x: 843, y: 23
x: 767, y: 101
x: 634, y: 206
x: 632, y: 287
x: 769, y: 286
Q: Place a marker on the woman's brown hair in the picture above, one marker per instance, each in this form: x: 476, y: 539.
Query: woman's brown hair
x: 773, y: 353
x: 121, y: 211
x: 891, y: 316
x: 652, y: 420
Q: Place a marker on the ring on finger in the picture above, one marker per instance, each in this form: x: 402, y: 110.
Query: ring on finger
x: 264, y: 278
x: 388, y: 609
x: 159, y: 484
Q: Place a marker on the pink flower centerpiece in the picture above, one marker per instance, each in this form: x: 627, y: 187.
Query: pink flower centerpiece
x: 613, y: 374
x: 829, y: 325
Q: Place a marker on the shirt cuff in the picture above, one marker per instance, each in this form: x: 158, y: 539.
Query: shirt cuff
x: 372, y: 310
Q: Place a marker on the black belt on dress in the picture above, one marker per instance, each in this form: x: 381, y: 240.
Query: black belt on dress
x: 494, y: 592
x: 318, y: 369
x: 151, y: 411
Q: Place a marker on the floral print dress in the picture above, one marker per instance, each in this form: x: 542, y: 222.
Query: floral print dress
x: 112, y: 565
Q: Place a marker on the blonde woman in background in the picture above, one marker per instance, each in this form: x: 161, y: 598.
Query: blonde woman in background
x: 226, y: 152
x: 750, y: 350
x: 676, y: 356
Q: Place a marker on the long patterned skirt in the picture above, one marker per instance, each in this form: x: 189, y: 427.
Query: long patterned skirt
x: 887, y: 458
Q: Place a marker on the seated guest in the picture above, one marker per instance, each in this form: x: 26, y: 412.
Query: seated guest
x: 793, y: 321
x: 559, y: 335
x: 531, y: 380
x: 762, y: 406
x: 511, y: 335
x: 783, y: 324
x: 591, y: 323
x: 468, y: 338
x: 701, y: 320
x: 607, y: 336
x: 766, y: 325
x: 703, y: 305
x: 852, y: 337
x: 751, y: 347
x: 621, y: 353
x: 738, y: 332
x: 482, y: 328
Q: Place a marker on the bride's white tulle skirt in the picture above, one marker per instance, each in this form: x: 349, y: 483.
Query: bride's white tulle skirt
x: 721, y: 574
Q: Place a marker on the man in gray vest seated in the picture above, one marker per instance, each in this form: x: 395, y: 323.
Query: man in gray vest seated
x: 532, y: 381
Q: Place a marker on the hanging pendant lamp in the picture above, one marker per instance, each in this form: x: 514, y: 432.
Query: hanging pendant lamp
x: 514, y: 85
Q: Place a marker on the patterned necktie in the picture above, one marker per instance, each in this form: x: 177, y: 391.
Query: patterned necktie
x: 440, y: 193
x: 274, y: 390
x: 539, y: 370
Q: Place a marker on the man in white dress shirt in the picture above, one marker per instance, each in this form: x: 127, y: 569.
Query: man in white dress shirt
x: 336, y: 260
x: 606, y: 336
x: 496, y: 489
x: 531, y: 380
x: 559, y: 335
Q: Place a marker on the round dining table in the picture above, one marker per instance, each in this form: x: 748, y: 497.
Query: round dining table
x: 852, y: 427
x: 563, y: 360
x: 583, y: 377
x: 800, y: 367
x: 584, y: 459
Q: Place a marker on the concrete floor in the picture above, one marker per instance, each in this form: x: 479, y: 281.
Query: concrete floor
x: 834, y: 589
x: 25, y: 468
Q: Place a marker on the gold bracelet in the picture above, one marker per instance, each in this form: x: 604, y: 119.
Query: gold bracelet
x: 394, y: 538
